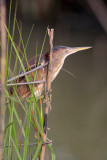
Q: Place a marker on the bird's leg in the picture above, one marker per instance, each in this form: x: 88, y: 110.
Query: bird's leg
x: 44, y: 101
x: 50, y: 97
x: 50, y: 107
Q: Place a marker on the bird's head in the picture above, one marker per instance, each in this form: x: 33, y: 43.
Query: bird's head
x: 62, y: 51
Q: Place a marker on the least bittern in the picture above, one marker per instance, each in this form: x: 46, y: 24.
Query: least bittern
x: 59, y: 54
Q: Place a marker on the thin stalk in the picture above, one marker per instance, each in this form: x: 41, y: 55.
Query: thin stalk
x: 48, y: 88
x: 3, y: 69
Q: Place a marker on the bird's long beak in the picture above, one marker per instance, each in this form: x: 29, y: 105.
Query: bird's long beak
x: 76, y: 49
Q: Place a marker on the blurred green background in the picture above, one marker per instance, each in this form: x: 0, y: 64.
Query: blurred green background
x: 78, y: 119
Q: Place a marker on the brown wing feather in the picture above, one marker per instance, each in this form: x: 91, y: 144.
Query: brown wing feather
x: 24, y: 90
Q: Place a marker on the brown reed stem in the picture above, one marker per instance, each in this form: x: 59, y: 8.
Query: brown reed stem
x: 3, y: 68
x: 48, y: 88
x: 99, y: 8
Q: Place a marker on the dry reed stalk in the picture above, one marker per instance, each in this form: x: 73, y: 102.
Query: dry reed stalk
x: 99, y: 8
x: 48, y: 88
x: 3, y: 69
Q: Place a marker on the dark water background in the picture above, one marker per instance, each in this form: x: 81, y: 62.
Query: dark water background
x: 78, y: 119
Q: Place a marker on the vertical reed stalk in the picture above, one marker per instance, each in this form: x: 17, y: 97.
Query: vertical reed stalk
x: 3, y: 68
x: 48, y: 88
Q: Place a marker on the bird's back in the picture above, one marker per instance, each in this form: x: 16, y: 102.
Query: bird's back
x: 23, y: 91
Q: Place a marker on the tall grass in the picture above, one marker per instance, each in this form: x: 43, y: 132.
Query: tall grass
x: 25, y: 123
x: 3, y: 69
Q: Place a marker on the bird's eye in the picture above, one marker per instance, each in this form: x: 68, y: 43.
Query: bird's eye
x: 66, y: 50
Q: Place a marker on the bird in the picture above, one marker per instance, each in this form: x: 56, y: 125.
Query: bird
x: 59, y: 54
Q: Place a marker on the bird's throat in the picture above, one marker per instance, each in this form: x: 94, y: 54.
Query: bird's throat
x: 55, y: 71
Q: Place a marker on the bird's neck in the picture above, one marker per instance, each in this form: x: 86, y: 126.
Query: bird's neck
x: 58, y: 64
x: 57, y: 61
